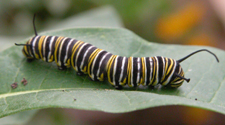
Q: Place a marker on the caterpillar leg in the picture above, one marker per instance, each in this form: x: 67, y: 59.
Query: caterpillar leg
x: 93, y: 79
x: 151, y: 87
x: 62, y: 67
x: 80, y: 73
x: 119, y: 87
x: 30, y: 60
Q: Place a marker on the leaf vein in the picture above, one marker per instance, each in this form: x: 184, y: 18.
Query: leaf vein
x: 217, y: 90
x: 199, y: 80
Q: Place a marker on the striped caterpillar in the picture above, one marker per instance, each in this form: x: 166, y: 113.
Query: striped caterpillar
x: 99, y: 64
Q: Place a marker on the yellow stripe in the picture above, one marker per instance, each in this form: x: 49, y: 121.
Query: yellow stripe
x: 101, y: 77
x: 166, y: 66
x: 91, y: 58
x: 58, y: 41
x: 169, y: 69
x: 25, y: 47
x: 75, y: 46
x: 124, y: 81
x: 176, y: 85
x: 40, y: 46
x: 129, y: 71
x: 51, y: 58
x: 68, y: 63
x: 153, y: 70
x: 109, y: 64
x: 143, y: 71
x: 181, y: 73
x: 156, y: 72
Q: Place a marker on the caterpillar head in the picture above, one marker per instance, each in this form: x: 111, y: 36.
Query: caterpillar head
x: 178, y: 75
x: 26, y: 50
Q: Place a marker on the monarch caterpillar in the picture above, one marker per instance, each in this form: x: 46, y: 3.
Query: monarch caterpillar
x: 98, y: 64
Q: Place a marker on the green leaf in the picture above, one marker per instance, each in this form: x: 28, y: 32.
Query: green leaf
x: 18, y: 118
x: 105, y: 16
x: 49, y: 87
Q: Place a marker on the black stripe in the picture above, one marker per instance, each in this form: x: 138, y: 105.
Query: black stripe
x: 87, y: 57
x: 36, y: 47
x: 135, y: 71
x: 42, y: 48
x: 95, y: 69
x: 63, y: 52
x: 168, y: 65
x: 160, y: 65
x: 154, y: 69
x: 25, y: 52
x: 140, y: 70
x: 118, y: 70
x: 176, y: 70
x: 111, y: 70
x: 47, y: 43
x: 53, y: 47
x: 75, y: 53
x: 104, y: 63
x: 31, y: 47
x: 125, y: 69
x: 58, y: 49
x: 81, y: 56
x: 148, y: 66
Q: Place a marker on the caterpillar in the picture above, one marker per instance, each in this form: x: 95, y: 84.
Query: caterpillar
x: 100, y: 64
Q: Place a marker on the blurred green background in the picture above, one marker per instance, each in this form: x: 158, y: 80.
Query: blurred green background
x: 188, y: 22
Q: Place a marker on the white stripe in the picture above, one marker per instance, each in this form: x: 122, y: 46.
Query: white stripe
x: 33, y: 46
x: 163, y: 74
x: 114, y: 70
x: 132, y: 71
x: 92, y: 68
x: 157, y: 72
x: 138, y: 72
x: 122, y: 70
x: 82, y: 63
x: 60, y: 50
x: 101, y: 64
x: 151, y: 65
x: 78, y: 53
x: 44, y: 42
x: 145, y: 71
x: 50, y: 47
x: 168, y: 79
x: 178, y: 82
x: 67, y: 49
